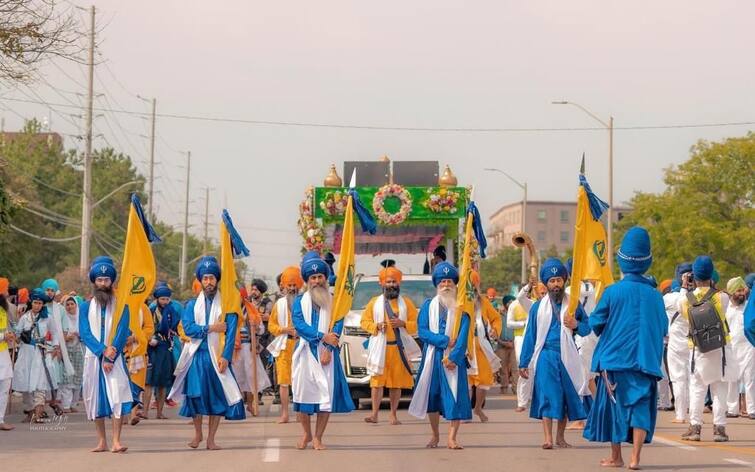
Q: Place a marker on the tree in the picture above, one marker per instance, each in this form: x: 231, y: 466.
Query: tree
x: 503, y: 270
x: 32, y: 30
x: 707, y: 208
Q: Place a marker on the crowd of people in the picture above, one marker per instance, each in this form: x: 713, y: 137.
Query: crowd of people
x: 682, y: 344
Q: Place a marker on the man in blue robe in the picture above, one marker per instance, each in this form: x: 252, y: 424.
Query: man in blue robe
x: 166, y: 314
x: 631, y: 321
x: 204, y: 378
x: 550, y: 354
x: 441, y: 387
x: 318, y: 382
x: 106, y: 384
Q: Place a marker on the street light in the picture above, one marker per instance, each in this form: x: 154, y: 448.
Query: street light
x: 523, y: 186
x: 609, y: 127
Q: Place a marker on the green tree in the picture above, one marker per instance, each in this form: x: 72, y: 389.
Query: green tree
x: 707, y: 208
x: 503, y: 270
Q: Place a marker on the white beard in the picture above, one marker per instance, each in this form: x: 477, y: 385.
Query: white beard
x: 447, y: 297
x: 321, y: 297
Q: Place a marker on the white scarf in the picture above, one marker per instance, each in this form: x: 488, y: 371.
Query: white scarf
x: 56, y: 312
x: 279, y: 343
x: 569, y: 354
x: 230, y: 387
x: 377, y: 344
x: 487, y: 348
x: 116, y: 381
x: 421, y: 397
x: 311, y: 382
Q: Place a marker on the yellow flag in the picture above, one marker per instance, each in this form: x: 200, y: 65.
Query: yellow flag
x: 465, y: 293
x: 344, y: 290
x: 590, y: 256
x: 139, y: 271
x: 231, y: 246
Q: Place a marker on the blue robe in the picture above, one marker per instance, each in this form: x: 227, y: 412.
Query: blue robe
x: 340, y: 401
x: 631, y: 321
x: 162, y: 362
x: 750, y: 319
x: 122, y: 333
x: 202, y: 387
x: 441, y: 398
x: 553, y: 393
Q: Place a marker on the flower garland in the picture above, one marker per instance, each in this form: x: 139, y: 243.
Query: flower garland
x: 334, y: 203
x: 442, y: 201
x: 310, y: 230
x: 378, y: 204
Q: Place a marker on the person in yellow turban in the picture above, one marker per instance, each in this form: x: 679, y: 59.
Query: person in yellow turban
x: 281, y: 326
x: 391, y: 321
x: 488, y: 324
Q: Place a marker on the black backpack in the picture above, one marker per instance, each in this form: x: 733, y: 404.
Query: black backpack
x: 706, y: 328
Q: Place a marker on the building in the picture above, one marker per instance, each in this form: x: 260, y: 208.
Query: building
x: 549, y: 224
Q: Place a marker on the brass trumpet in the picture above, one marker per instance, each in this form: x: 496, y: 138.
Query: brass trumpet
x: 521, y: 239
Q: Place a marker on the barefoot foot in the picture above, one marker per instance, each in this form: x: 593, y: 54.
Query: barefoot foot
x: 394, y: 421
x: 303, y: 442
x: 610, y: 462
x: 195, y: 442
x: 317, y: 445
x: 101, y: 447
x: 562, y: 444
x: 433, y: 443
x: 371, y: 419
x: 547, y: 445
x: 453, y: 445
x: 211, y: 446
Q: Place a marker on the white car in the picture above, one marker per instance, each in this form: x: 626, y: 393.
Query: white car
x: 354, y: 339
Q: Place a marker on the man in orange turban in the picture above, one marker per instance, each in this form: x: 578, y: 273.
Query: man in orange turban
x: 487, y: 322
x: 280, y: 326
x: 391, y: 321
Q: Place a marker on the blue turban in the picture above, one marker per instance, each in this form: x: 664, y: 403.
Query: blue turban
x: 162, y: 290
x: 553, y: 267
x: 50, y: 284
x: 702, y: 268
x: 102, y: 266
x: 569, y: 264
x: 683, y: 268
x: 675, y: 286
x: 749, y: 279
x: 39, y: 294
x: 508, y: 299
x: 207, y: 265
x: 445, y: 270
x: 634, y: 256
x: 313, y: 264
x: 715, y: 277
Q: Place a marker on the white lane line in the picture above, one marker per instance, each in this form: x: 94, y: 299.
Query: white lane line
x: 668, y: 442
x: 272, y: 450
x: 740, y: 462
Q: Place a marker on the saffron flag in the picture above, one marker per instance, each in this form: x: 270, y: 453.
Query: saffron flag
x: 138, y: 271
x: 231, y: 248
x: 465, y: 292
x: 590, y: 256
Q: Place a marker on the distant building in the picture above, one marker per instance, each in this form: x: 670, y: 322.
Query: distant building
x: 549, y: 224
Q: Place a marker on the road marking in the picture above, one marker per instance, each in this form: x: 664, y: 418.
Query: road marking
x: 738, y: 449
x: 669, y: 442
x: 739, y: 462
x: 272, y: 450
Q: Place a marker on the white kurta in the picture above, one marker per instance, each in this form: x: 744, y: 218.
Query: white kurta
x: 586, y: 344
x: 29, y: 375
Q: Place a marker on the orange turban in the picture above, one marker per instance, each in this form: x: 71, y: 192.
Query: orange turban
x: 23, y: 295
x: 390, y: 272
x: 196, y: 287
x: 4, y: 284
x: 292, y: 276
x: 475, y: 278
x: 491, y: 293
x: 665, y: 285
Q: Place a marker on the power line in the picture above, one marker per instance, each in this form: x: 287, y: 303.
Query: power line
x: 43, y: 238
x: 403, y: 128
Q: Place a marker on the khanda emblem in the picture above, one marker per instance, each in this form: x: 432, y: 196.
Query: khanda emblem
x: 599, y: 249
x: 350, y: 280
x: 206, y: 264
x: 554, y: 270
x: 103, y: 269
x: 469, y: 296
x: 138, y: 284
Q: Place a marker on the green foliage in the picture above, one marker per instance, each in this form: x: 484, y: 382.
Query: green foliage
x: 502, y: 270
x: 707, y: 208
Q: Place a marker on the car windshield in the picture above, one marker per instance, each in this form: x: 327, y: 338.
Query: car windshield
x: 417, y: 290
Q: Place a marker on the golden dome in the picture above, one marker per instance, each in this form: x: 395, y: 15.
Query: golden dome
x: 448, y: 179
x: 333, y: 180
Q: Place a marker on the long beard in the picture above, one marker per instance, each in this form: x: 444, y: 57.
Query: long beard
x: 392, y: 293
x: 739, y: 299
x: 290, y: 300
x: 321, y: 297
x: 556, y: 294
x: 210, y: 291
x: 447, y: 297
x: 103, y: 296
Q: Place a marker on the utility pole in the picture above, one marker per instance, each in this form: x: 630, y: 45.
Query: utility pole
x: 184, y: 245
x: 86, y: 211
x: 152, y: 161
x: 206, y: 220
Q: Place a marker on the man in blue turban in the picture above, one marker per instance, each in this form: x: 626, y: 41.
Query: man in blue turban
x: 318, y: 381
x: 104, y: 363
x: 549, y: 355
x: 631, y: 322
x: 204, y: 380
x: 166, y: 314
x: 442, y: 382
x: 716, y: 367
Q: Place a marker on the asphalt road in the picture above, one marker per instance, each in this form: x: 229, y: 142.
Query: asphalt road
x: 510, y: 441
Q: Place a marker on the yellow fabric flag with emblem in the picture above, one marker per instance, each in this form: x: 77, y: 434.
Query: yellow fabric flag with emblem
x: 590, y: 256
x: 231, y: 247
x: 465, y: 292
x: 344, y: 290
x: 138, y: 271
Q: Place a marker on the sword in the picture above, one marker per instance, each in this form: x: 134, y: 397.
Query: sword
x: 610, y: 387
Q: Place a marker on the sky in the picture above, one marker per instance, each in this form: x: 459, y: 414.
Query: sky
x: 421, y: 63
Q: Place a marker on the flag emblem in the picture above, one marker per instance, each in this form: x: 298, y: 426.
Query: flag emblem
x: 599, y: 249
x: 138, y: 284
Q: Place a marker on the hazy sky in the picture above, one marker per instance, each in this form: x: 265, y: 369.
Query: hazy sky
x: 481, y: 64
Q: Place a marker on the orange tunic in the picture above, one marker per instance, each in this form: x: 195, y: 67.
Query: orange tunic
x: 283, y: 361
x: 485, y: 375
x: 394, y: 374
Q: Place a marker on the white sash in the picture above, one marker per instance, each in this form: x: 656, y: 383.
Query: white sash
x: 56, y: 314
x: 117, y: 381
x: 421, y: 397
x: 569, y: 354
x: 377, y: 343
x: 279, y: 343
x: 311, y: 382
x: 487, y: 348
x: 230, y: 387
